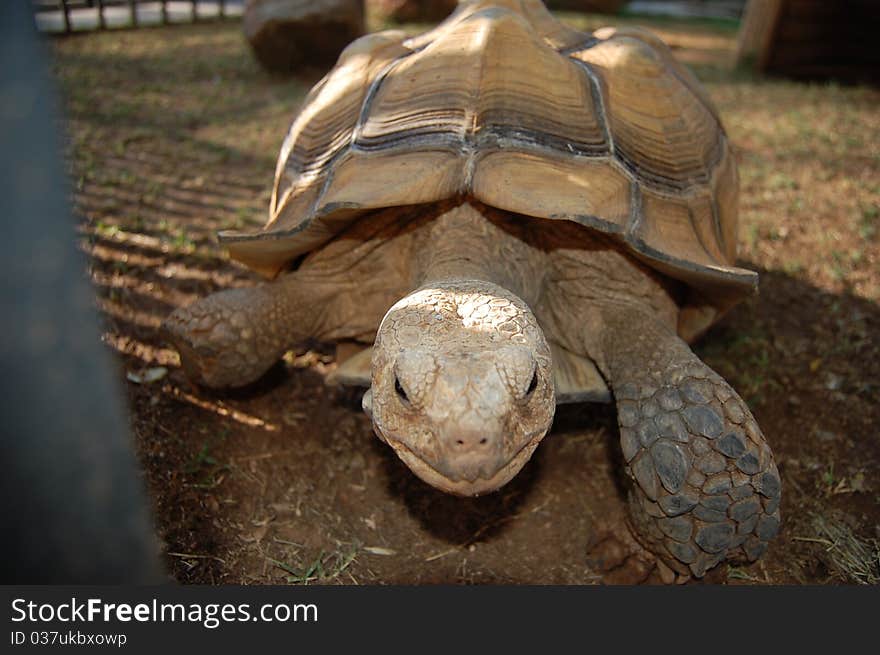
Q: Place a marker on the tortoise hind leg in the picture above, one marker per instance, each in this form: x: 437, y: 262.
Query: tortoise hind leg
x: 232, y: 337
x: 706, y: 486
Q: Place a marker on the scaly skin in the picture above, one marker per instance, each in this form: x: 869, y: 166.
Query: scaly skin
x: 706, y: 486
x: 233, y: 337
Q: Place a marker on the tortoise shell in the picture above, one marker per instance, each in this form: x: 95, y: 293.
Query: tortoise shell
x: 504, y: 104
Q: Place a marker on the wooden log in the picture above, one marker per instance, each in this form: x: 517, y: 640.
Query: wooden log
x: 811, y: 39
x: 415, y: 11
x: 587, y: 6
x: 755, y: 40
x: 287, y: 33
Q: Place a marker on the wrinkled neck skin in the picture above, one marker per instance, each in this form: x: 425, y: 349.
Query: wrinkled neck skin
x: 462, y: 384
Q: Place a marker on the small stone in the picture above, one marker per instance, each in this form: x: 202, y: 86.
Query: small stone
x: 743, y: 509
x: 731, y: 444
x: 711, y: 463
x: 679, y: 503
x: 825, y: 435
x: 627, y: 414
x: 709, y: 515
x: 643, y: 471
x: 734, y: 412
x: 771, y: 505
x: 769, y: 485
x: 743, y: 491
x: 669, y: 399
x: 768, y: 527
x: 671, y: 464
x: 833, y: 382
x: 692, y: 393
x: 670, y: 426
x: 718, y: 484
x: 748, y: 463
x: 704, y: 420
x: 682, y: 552
x: 679, y: 528
x: 629, y: 443
x: 648, y: 432
x: 747, y: 526
x: 754, y: 548
x: 714, y: 538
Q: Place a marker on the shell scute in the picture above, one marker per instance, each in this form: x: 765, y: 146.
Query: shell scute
x: 503, y: 104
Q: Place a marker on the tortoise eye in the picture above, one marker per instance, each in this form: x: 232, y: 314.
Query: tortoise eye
x: 533, y: 384
x: 401, y: 392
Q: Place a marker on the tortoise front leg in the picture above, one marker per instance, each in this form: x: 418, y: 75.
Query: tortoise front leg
x: 233, y: 337
x: 706, y: 486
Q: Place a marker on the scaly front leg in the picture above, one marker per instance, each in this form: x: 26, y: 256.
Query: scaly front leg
x: 706, y: 486
x: 233, y: 337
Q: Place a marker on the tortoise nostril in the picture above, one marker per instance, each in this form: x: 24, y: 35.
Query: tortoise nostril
x: 468, y: 443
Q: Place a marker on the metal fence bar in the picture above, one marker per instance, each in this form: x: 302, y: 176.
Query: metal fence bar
x: 65, y: 13
x: 67, y: 16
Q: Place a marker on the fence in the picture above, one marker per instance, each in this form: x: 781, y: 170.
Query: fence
x: 73, y: 15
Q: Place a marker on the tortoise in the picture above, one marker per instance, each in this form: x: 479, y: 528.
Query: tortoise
x: 507, y: 214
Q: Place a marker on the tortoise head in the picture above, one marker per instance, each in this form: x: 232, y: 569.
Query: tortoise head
x: 462, y: 385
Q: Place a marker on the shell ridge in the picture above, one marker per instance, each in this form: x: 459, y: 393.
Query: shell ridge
x: 469, y: 138
x: 355, y: 133
x: 370, y: 95
x: 699, y: 234
x: 586, y: 44
x: 716, y: 222
x: 598, y: 101
x: 636, y: 215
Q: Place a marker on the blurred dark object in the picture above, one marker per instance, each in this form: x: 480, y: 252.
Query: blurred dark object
x: 287, y: 33
x: 732, y: 9
x: 414, y: 11
x: 808, y: 39
x: 73, y: 504
x: 587, y: 6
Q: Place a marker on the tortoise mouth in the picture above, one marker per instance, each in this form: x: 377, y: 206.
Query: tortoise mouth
x: 466, y: 488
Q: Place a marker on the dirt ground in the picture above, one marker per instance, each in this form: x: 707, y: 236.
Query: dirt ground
x: 173, y: 135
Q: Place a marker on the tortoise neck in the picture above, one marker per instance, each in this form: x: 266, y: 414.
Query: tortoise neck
x: 470, y: 243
